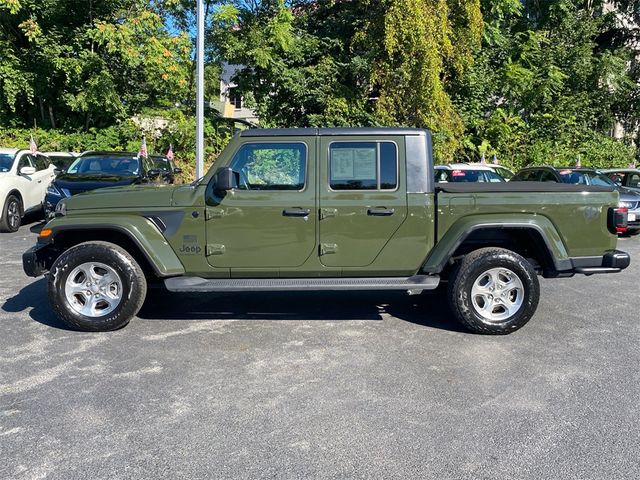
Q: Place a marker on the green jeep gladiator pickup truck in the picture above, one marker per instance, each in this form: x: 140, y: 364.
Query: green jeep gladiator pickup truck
x: 325, y: 209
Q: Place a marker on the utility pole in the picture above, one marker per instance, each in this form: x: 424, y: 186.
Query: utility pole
x: 200, y: 91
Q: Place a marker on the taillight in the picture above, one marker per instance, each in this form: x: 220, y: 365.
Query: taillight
x: 617, y: 222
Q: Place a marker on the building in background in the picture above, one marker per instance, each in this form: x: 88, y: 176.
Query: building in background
x: 231, y: 102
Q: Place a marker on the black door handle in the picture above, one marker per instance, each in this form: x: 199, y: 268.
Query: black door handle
x: 380, y: 212
x: 296, y: 212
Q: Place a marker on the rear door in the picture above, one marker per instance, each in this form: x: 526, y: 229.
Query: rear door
x: 362, y: 191
x: 43, y: 176
x: 269, y: 220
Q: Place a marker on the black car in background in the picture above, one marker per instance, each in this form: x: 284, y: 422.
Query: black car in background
x: 165, y: 167
x: 93, y: 170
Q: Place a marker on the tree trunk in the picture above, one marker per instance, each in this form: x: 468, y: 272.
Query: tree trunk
x: 41, y: 109
x: 51, y: 117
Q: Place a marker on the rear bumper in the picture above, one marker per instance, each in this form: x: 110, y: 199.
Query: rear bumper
x: 612, y: 261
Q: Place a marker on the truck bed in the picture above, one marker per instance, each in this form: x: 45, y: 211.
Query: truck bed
x: 515, y: 187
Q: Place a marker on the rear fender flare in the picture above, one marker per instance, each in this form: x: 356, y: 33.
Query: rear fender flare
x: 460, y: 231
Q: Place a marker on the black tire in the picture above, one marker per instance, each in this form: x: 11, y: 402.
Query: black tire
x: 132, y: 290
x: 9, y: 221
x: 476, y: 267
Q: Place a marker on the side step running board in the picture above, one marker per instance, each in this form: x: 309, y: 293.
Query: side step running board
x: 197, y: 284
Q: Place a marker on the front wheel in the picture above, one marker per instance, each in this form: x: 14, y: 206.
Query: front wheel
x: 494, y: 291
x: 11, y: 215
x: 96, y: 286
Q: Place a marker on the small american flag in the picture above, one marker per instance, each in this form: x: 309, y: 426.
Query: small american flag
x: 632, y: 165
x: 578, y: 163
x: 170, y: 153
x: 143, y: 148
x: 32, y: 146
x: 483, y: 160
x: 495, y: 159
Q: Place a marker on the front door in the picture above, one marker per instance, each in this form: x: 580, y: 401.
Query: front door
x: 362, y: 198
x: 269, y: 220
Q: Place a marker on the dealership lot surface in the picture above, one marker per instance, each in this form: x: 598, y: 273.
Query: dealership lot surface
x: 321, y: 385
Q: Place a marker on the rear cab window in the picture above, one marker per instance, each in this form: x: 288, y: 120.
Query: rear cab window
x: 363, y: 165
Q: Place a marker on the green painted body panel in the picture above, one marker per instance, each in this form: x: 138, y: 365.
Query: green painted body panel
x: 574, y: 223
x: 139, y: 229
x: 244, y: 233
x: 349, y: 236
x: 248, y: 230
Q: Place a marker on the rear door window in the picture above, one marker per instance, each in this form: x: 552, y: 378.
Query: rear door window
x: 363, y: 166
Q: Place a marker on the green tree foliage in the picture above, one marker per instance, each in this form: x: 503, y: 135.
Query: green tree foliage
x: 532, y: 82
x: 87, y: 63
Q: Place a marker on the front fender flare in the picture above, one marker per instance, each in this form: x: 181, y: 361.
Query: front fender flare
x: 139, y: 230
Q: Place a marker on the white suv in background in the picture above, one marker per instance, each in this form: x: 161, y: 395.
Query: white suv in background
x: 24, y: 179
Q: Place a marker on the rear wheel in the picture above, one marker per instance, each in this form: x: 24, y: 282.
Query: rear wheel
x: 11, y: 214
x: 494, y: 291
x: 96, y: 286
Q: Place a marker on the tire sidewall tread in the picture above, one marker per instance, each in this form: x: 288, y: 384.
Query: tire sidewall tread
x: 5, y: 226
x: 133, y: 289
x: 464, y: 275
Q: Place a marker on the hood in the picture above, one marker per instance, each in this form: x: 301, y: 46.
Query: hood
x: 134, y: 196
x: 74, y: 184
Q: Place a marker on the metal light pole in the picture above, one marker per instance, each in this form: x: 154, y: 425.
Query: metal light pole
x: 200, y: 91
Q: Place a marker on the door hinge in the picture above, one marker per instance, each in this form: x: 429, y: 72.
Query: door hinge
x: 328, y: 212
x: 215, y: 249
x: 210, y: 213
x: 328, y: 248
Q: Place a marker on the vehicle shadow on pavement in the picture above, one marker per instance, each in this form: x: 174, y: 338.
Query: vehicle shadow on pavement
x: 34, y: 296
x: 426, y: 310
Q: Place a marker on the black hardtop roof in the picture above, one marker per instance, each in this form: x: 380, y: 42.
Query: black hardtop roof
x: 301, y: 132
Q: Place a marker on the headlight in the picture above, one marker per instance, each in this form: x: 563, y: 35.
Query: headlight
x: 624, y: 204
x: 61, y: 209
x: 53, y: 190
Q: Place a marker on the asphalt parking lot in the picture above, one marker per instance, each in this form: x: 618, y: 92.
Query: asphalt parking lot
x: 347, y: 385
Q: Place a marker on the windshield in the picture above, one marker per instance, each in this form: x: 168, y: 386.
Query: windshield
x: 105, y: 165
x: 459, y: 176
x: 161, y: 163
x: 6, y: 160
x: 578, y: 177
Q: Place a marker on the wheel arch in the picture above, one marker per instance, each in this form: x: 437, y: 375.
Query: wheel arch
x: 530, y: 240
x: 14, y: 191
x: 154, y: 255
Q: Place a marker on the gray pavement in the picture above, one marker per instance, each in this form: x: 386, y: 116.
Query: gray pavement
x: 347, y: 385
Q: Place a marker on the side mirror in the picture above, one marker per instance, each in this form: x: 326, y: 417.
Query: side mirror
x: 154, y: 173
x: 177, y: 170
x: 27, y: 171
x: 58, y: 170
x: 225, y: 179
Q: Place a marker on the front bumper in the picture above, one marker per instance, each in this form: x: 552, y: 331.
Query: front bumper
x: 38, y: 259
